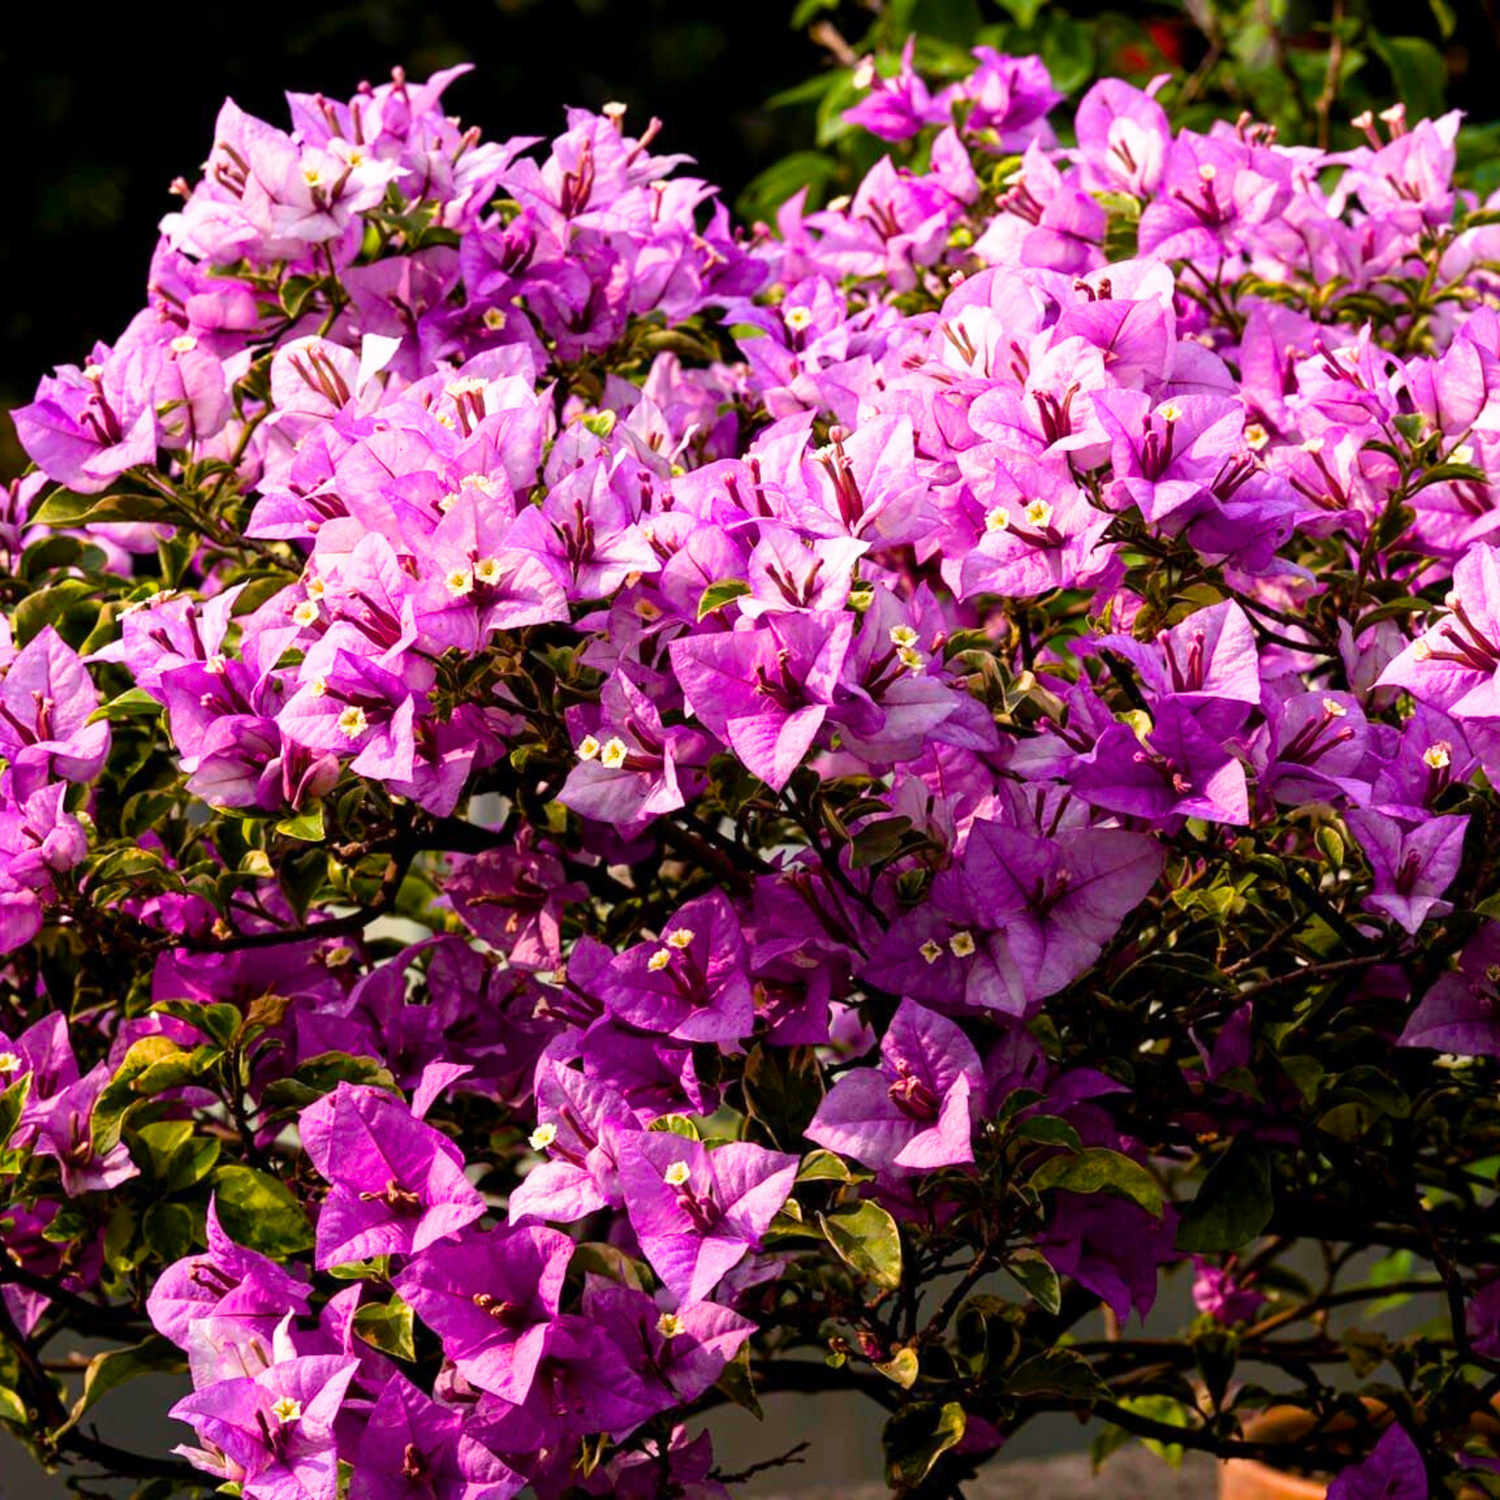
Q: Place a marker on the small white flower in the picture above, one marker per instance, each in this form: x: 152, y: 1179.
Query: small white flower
x: 1334, y: 709
x: 9, y: 1062
x: 459, y: 582
x: 676, y: 1174
x: 184, y: 343
x: 588, y: 747
x: 680, y: 937
x: 1038, y: 513
x: 931, y: 951
x: 903, y: 635
x: 487, y: 571
x: 1438, y: 757
x: 612, y: 757
x: 669, y: 1325
x: 542, y: 1137
x: 306, y: 613
x: 997, y: 519
x: 797, y: 318
x: 961, y: 944
x: 287, y: 1409
x: 659, y: 960
x: 352, y: 722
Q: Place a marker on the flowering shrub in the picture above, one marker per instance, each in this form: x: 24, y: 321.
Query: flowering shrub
x: 603, y: 815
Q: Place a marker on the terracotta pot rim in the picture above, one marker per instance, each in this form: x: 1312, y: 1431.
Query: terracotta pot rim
x: 1279, y: 1424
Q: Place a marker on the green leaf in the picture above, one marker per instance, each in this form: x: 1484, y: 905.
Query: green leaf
x: 783, y: 1088
x: 260, y: 1211
x: 116, y: 1366
x: 220, y: 1021
x: 1165, y: 1410
x: 809, y: 169
x: 1417, y: 70
x: 1068, y: 51
x: 1022, y: 12
x: 1049, y: 1130
x: 152, y: 1065
x: 387, y: 1326
x: 866, y: 1238
x: 1031, y: 1269
x: 717, y: 595
x: 1234, y: 1204
x: 1056, y: 1372
x: 903, y: 1367
x: 321, y: 1075
x: 593, y: 1258
x: 48, y: 554
x: 736, y: 1383
x: 1331, y: 845
x: 12, y: 1103
x: 172, y: 1157
x: 1098, y: 1170
x: 826, y: 1166
x: 877, y: 842
x: 171, y: 1229
x: 64, y: 510
x: 306, y: 826
x: 12, y: 1409
x: 1399, y: 1265
x: 986, y: 1335
x: 48, y: 607
x: 917, y: 1437
x: 134, y: 703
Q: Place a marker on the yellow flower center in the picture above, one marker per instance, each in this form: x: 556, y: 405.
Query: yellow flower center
x: 352, y: 722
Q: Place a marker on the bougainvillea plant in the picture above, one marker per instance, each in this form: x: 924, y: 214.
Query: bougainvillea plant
x: 605, y: 814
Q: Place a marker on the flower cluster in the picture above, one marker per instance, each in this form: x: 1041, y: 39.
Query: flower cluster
x: 592, y: 799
